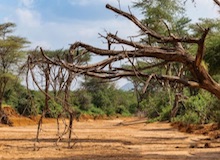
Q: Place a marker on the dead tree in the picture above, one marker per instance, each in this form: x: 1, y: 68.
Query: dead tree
x: 34, y: 62
x: 174, y: 53
x: 60, y: 80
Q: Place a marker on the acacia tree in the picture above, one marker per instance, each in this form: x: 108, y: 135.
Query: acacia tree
x: 171, y: 50
x: 212, y: 56
x: 10, y: 56
x: 164, y: 17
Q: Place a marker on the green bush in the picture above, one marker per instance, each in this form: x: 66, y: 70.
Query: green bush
x: 132, y: 108
x: 165, y: 114
x: 54, y: 109
x: 201, y: 108
x: 154, y: 104
x: 25, y: 105
x: 122, y: 110
x: 214, y: 111
x: 109, y: 111
x: 215, y: 116
x: 22, y: 100
x: 199, y: 105
x: 188, y: 118
x: 83, y: 100
x: 95, y: 111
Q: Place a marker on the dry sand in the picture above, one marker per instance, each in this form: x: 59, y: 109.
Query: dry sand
x: 117, y: 139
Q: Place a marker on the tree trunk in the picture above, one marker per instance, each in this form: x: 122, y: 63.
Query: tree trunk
x: 39, y: 126
x: 70, y: 129
x: 1, y: 104
x: 204, y: 80
x: 46, y: 101
x: 47, y: 85
x: 67, y: 107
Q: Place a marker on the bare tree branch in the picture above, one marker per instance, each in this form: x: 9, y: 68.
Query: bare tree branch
x: 150, y: 32
x: 217, y: 2
x: 171, y: 50
x: 200, y: 51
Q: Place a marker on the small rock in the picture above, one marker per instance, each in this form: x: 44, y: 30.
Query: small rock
x: 207, y: 145
x: 193, y: 145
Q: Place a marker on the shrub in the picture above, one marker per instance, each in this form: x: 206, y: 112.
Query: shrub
x: 122, y: 110
x: 55, y: 109
x: 153, y: 106
x: 95, y: 111
x: 165, y: 114
x: 83, y: 100
x: 188, y: 118
x: 110, y: 111
x: 199, y: 105
x: 201, y: 108
x: 214, y: 111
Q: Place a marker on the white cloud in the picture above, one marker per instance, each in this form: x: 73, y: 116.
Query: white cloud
x: 28, y: 17
x: 81, y: 2
x: 41, y: 43
x: 59, y: 35
x: 27, y: 3
x: 7, y: 19
x: 55, y: 35
x: 94, y: 2
x: 202, y: 9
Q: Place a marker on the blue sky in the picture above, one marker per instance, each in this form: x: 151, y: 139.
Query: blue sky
x: 54, y: 24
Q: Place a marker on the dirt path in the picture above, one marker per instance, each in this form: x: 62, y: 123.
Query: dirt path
x: 108, y: 140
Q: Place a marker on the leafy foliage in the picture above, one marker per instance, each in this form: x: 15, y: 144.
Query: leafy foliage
x: 164, y: 16
x: 11, y: 55
x: 83, y: 100
x: 105, y: 96
x: 201, y: 108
